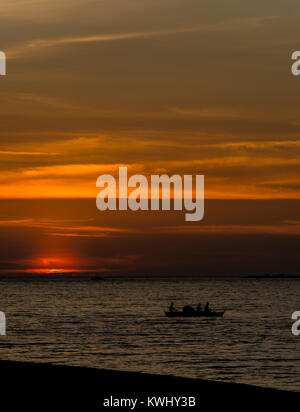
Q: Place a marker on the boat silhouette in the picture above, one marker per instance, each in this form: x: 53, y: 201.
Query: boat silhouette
x: 195, y: 314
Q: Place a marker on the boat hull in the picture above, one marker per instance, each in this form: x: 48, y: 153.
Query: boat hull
x: 195, y: 314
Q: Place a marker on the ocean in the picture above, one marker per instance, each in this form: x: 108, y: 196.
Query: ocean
x: 120, y: 324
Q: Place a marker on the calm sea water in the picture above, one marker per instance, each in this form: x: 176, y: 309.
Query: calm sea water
x: 120, y: 324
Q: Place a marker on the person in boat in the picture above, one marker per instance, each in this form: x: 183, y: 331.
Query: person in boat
x: 199, y: 307
x: 171, y: 307
x: 188, y: 309
x: 207, y: 309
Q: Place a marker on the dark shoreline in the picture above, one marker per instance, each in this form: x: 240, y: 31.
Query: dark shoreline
x: 70, y: 388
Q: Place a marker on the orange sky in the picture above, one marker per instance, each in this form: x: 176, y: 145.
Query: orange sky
x: 188, y: 87
x: 193, y: 88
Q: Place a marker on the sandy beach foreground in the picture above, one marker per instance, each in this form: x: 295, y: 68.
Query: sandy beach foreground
x: 68, y: 388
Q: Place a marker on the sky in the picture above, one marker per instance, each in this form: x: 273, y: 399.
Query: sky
x: 159, y: 86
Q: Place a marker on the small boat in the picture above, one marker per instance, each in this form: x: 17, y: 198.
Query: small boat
x: 194, y: 314
x: 97, y: 278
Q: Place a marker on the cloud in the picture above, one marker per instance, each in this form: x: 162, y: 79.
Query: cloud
x: 19, y: 153
x: 66, y: 228
x: 235, y: 171
x: 88, y: 228
x: 288, y: 228
x: 33, y: 46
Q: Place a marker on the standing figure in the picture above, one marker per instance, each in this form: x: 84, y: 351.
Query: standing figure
x: 207, y: 309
